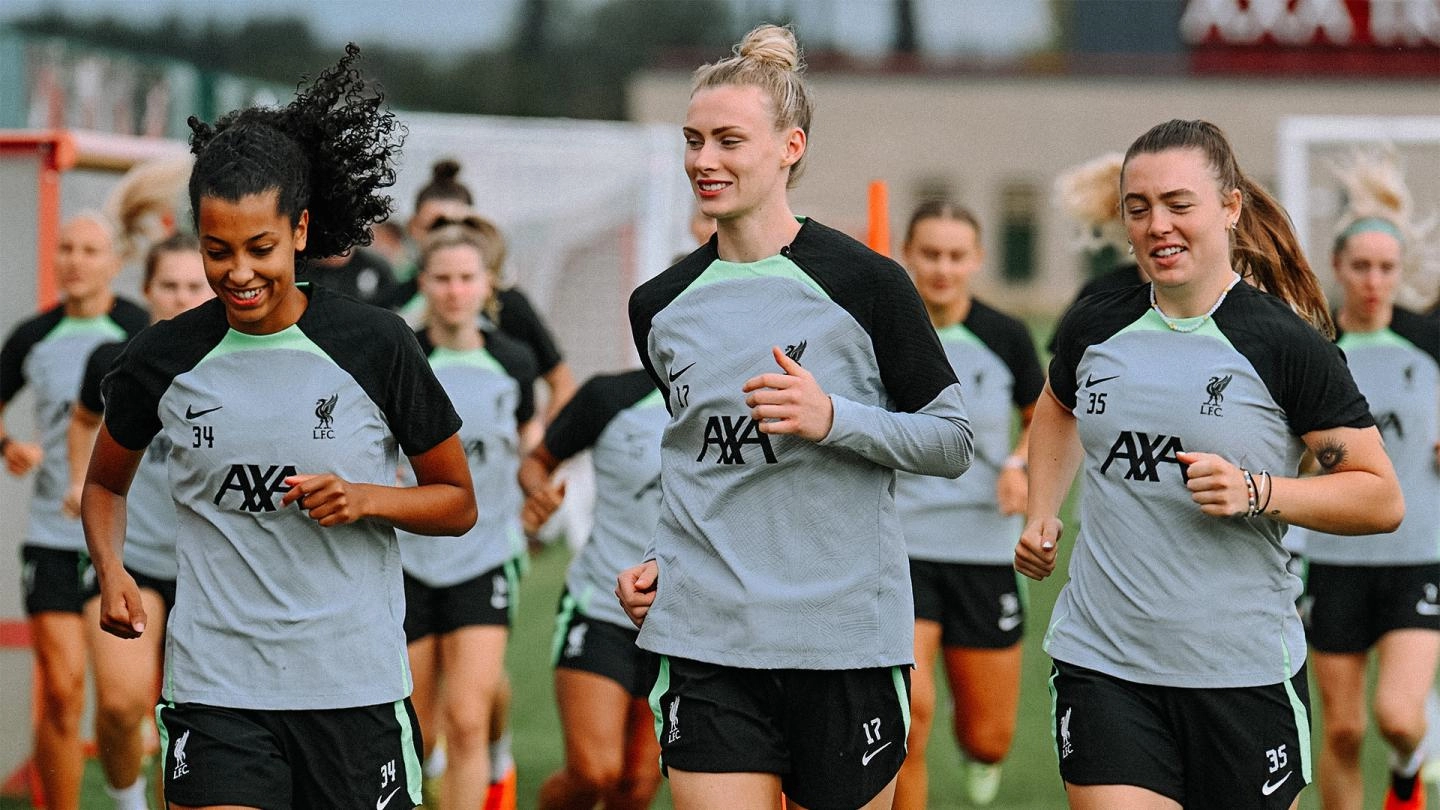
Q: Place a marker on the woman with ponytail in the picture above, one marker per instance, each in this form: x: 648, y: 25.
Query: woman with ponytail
x: 776, y: 589
x: 284, y: 407
x: 1380, y: 593
x: 1179, y: 659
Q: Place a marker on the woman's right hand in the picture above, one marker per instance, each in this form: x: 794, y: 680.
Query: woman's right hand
x: 635, y: 589
x: 1038, y: 547
x: 539, y: 506
x: 121, y: 611
x: 21, y: 457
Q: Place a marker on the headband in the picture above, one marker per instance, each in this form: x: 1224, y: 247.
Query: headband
x: 1369, y: 225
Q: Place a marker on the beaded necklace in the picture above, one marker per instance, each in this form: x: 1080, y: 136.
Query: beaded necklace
x: 1174, y: 323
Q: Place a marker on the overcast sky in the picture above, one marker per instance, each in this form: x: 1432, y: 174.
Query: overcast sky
x: 944, y: 27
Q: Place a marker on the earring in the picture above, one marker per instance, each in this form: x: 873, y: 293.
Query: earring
x: 1130, y: 248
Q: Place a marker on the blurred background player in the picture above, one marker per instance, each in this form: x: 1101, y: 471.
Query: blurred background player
x: 460, y: 594
x: 776, y: 590
x: 127, y: 671
x: 446, y: 201
x: 960, y: 533
x: 1089, y: 194
x: 48, y: 353
x: 1179, y: 677
x: 602, y: 678
x: 1380, y: 592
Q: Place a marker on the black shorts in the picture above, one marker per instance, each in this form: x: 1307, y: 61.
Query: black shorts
x: 486, y: 600
x: 602, y: 648
x: 979, y: 606
x: 53, y: 579
x: 368, y: 756
x: 835, y: 737
x: 1349, y: 607
x: 164, y: 587
x: 1239, y: 748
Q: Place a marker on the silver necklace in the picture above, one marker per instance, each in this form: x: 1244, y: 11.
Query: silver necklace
x: 1174, y: 323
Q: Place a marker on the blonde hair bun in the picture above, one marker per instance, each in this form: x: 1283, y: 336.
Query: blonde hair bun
x: 772, y: 45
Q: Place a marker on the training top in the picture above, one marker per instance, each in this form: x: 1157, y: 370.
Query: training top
x: 1159, y: 592
x: 619, y: 417
x: 272, y: 610
x: 1398, y: 369
x: 493, y: 389
x: 149, y: 510
x: 958, y: 521
x: 48, y: 352
x: 776, y: 552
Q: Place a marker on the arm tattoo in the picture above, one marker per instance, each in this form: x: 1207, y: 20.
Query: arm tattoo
x: 1331, y: 454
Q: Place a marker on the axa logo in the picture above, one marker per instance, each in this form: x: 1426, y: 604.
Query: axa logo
x: 475, y: 449
x: 325, y: 412
x: 651, y: 486
x: 1143, y: 455
x: 729, y: 435
x: 1389, y: 421
x: 1216, y: 391
x: 258, y: 486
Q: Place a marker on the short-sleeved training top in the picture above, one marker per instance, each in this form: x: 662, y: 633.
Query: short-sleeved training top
x: 776, y: 552
x: 619, y: 417
x: 492, y: 388
x: 274, y: 611
x: 957, y: 521
x: 149, y: 510
x: 1398, y: 369
x: 48, y: 352
x: 1159, y: 592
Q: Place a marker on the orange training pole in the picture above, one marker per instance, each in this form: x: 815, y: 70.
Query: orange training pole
x: 878, y: 235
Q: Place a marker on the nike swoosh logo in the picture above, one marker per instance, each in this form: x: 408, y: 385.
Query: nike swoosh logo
x: 1268, y: 788
x: 191, y: 413
x: 1090, y: 380
x: 380, y: 803
x: 676, y: 375
x: 1427, y: 608
x: 869, y: 755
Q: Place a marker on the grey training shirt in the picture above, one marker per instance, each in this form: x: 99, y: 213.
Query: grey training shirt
x: 776, y: 552
x: 274, y: 611
x: 1160, y: 593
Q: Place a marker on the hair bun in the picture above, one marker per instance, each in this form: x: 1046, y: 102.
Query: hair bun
x: 445, y: 170
x: 771, y: 44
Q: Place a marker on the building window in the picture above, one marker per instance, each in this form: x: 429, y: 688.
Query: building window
x: 1019, y: 203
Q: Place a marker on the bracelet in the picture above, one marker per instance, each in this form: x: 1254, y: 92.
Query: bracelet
x: 1250, y: 494
x: 1014, y: 462
x: 1269, y: 490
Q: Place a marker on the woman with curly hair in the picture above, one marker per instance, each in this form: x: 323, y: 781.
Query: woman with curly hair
x: 286, y: 680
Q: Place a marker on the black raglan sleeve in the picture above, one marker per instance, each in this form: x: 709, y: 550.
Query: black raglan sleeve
x: 99, y: 362
x: 579, y: 424
x: 519, y: 362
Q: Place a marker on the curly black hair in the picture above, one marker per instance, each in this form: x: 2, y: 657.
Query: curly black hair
x: 329, y: 151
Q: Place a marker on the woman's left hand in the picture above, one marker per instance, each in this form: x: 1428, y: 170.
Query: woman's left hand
x: 1011, y: 490
x: 791, y: 402
x: 1216, y: 484
x: 329, y: 499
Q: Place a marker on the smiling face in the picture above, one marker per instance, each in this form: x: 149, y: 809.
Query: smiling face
x: 249, y: 250
x: 942, y: 255
x: 1368, y: 268
x: 456, y: 285
x: 1177, y: 217
x: 178, y: 284
x: 85, y: 262
x: 735, y: 158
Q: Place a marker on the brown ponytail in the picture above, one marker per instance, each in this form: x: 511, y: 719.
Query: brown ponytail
x: 1263, y: 248
x: 1267, y: 253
